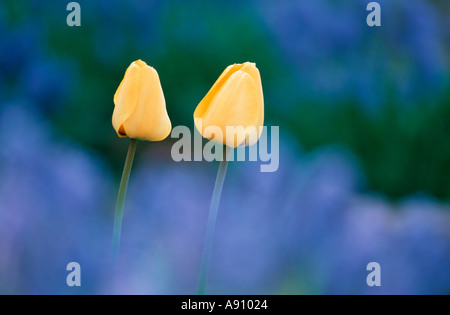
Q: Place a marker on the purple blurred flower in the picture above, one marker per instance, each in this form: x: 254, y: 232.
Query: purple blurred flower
x: 255, y: 240
x: 410, y: 242
x: 27, y: 72
x: 17, y: 48
x: 336, y: 55
x: 52, y: 196
x: 164, y: 221
x: 308, y: 220
x: 126, y: 26
x: 46, y: 83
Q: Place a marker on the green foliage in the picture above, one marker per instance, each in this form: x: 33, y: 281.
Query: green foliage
x: 403, y: 150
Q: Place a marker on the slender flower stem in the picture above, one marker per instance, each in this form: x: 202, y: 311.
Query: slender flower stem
x: 211, y: 225
x: 121, y: 197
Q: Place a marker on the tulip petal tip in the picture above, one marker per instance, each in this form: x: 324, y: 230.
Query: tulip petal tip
x: 140, y: 107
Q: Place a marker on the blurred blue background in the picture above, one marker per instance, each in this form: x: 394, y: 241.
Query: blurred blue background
x: 364, y: 116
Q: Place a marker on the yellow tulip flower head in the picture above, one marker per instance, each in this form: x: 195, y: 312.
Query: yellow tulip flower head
x: 235, y: 104
x: 140, y: 108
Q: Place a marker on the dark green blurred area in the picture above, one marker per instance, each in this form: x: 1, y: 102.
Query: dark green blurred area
x: 403, y: 149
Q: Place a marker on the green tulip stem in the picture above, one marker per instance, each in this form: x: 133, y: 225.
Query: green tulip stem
x: 211, y: 224
x: 121, y: 197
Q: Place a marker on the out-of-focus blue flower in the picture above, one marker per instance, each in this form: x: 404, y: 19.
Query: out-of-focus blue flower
x: 46, y: 83
x: 416, y: 33
x: 410, y: 242
x: 255, y: 243
x: 17, y: 49
x: 126, y: 27
x: 424, y: 244
x: 51, y: 211
x: 338, y: 56
x: 163, y: 228
x: 26, y: 71
x: 308, y: 220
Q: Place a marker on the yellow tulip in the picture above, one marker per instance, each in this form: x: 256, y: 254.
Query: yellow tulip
x: 235, y: 100
x: 140, y: 108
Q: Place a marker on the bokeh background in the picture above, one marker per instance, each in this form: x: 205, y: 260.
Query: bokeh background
x: 364, y: 116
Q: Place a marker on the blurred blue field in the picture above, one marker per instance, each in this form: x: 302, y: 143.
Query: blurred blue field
x: 364, y: 117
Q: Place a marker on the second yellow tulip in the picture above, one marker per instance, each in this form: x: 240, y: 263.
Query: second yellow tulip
x: 235, y: 100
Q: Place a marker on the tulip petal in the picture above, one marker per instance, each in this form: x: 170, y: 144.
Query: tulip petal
x: 126, y: 98
x: 140, y: 108
x: 236, y: 103
x: 229, y: 71
x: 251, y: 69
x: 149, y: 119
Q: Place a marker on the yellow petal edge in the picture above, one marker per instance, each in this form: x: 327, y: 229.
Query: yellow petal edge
x: 140, y: 107
x: 235, y: 100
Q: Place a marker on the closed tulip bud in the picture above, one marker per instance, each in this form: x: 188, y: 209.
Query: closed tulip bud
x: 140, y: 108
x: 235, y: 101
